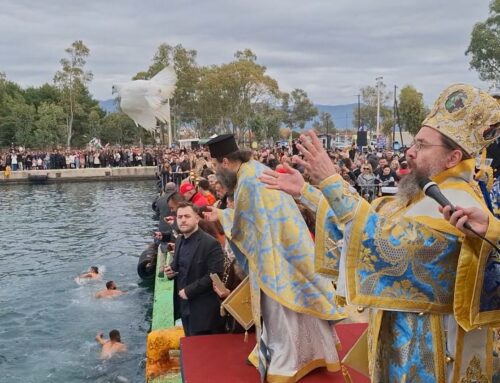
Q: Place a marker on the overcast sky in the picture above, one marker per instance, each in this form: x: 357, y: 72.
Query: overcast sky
x: 329, y: 48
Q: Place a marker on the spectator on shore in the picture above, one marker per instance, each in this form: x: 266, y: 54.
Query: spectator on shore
x: 366, y: 182
x: 13, y: 161
x: 188, y: 191
x: 221, y: 194
x: 161, y: 206
x: 206, y: 170
x: 386, y: 179
x: 212, y: 180
x: 197, y: 255
x: 203, y: 187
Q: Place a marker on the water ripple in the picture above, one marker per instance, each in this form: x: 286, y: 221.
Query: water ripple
x: 47, y: 321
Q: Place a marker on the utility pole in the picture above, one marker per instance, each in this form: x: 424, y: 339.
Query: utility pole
x: 327, y: 136
x: 359, y: 112
x: 162, y: 133
x: 395, y: 119
x: 169, y: 126
x: 379, y: 83
x: 399, y: 123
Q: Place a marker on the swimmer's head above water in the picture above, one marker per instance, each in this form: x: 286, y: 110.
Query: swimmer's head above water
x: 114, y: 335
x: 111, y: 285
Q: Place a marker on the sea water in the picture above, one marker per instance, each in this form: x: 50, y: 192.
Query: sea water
x: 49, y: 234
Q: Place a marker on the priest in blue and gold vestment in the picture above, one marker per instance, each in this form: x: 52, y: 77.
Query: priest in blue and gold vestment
x: 434, y: 293
x: 268, y: 234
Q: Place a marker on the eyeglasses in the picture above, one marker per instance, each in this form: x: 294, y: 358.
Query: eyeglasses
x: 419, y: 145
x: 366, y: 168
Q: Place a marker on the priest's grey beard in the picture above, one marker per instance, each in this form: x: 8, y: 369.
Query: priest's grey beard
x: 408, y: 187
x: 227, y: 178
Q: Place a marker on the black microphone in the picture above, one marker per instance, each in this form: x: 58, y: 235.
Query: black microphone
x: 431, y: 189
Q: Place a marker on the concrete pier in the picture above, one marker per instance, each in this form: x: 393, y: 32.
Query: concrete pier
x: 78, y: 175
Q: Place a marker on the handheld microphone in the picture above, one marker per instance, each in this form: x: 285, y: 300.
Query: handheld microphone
x: 431, y: 189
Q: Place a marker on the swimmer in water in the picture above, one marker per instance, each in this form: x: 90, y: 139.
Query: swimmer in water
x: 93, y: 273
x: 110, y: 291
x: 112, y: 346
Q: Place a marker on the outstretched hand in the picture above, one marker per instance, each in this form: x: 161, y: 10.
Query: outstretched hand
x: 210, y: 214
x: 288, y: 180
x: 99, y: 338
x: 316, y: 161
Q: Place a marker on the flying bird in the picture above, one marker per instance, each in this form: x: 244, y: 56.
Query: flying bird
x: 144, y: 101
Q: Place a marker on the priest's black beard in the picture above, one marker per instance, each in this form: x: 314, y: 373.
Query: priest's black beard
x: 227, y: 178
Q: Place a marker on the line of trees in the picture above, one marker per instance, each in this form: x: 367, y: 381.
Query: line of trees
x: 484, y: 47
x: 238, y: 96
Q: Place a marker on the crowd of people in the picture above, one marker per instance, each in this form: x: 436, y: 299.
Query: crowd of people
x: 18, y: 158
x: 286, y: 221
x: 368, y: 172
x: 373, y: 172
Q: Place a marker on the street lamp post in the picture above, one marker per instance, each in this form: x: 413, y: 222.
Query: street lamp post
x: 379, y: 82
x: 169, y: 126
x: 327, y: 136
x: 359, y: 112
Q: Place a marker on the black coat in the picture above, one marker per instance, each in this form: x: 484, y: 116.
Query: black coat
x: 164, y: 211
x: 204, y: 303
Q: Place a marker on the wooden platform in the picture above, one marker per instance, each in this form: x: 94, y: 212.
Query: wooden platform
x: 222, y: 358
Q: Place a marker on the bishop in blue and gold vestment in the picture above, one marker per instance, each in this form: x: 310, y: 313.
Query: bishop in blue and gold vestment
x: 434, y: 293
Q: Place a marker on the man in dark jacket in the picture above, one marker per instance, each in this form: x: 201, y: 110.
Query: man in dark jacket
x: 162, y: 208
x: 197, y: 255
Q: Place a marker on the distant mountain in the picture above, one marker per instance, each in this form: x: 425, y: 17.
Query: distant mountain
x: 341, y: 114
x: 110, y: 106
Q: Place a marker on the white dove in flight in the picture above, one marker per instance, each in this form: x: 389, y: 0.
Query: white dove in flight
x: 144, y: 101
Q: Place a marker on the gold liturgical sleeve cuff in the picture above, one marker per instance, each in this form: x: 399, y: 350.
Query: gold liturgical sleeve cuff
x: 310, y: 197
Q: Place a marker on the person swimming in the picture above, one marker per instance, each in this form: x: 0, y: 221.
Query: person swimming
x: 110, y: 291
x: 112, y: 346
x: 93, y: 273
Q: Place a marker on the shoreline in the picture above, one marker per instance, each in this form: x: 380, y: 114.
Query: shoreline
x: 78, y: 175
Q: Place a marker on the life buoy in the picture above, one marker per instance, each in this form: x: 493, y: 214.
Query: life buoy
x: 146, y: 267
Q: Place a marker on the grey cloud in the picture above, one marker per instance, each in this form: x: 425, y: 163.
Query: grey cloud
x: 328, y: 48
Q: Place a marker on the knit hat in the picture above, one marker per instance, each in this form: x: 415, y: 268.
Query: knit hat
x: 186, y: 187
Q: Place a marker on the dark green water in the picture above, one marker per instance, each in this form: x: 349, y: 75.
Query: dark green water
x: 48, y: 235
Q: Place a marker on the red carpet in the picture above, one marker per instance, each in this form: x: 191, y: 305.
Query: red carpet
x: 221, y: 358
